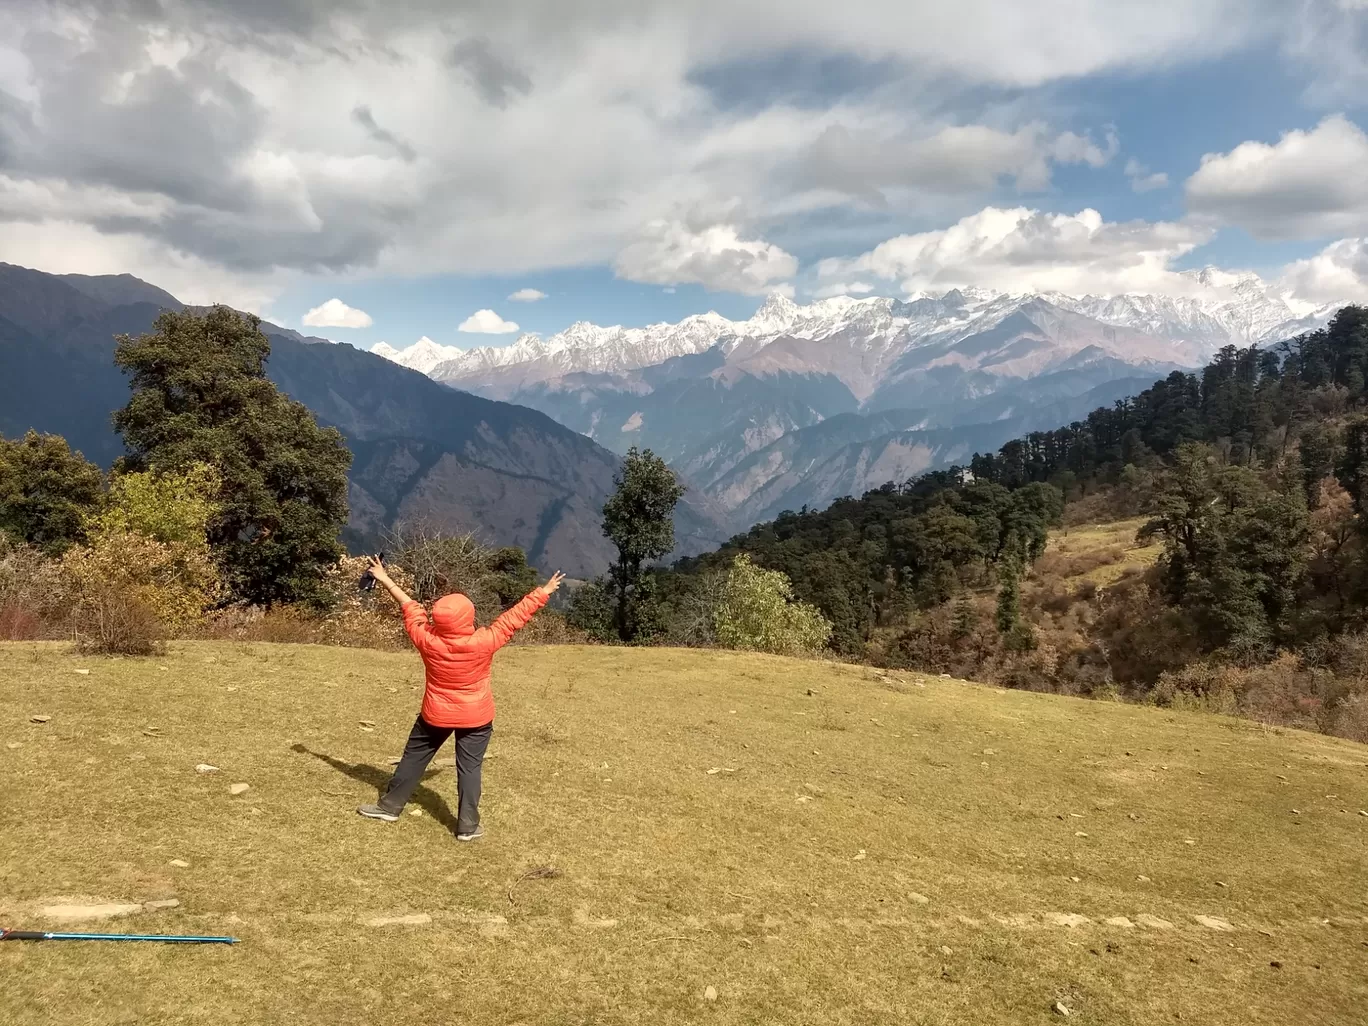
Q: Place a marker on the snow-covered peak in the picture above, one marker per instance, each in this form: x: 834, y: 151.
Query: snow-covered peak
x: 423, y: 356
x: 1220, y: 308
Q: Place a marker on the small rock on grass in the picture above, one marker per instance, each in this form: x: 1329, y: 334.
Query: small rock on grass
x: 1062, y: 1009
x: 710, y: 993
x: 418, y: 919
x: 1214, y: 923
x: 14, y: 744
x: 204, y: 767
x: 40, y: 718
x: 161, y: 903
x: 239, y: 788
x: 1153, y: 922
x: 946, y: 951
x: 84, y: 673
x: 180, y: 863
x: 920, y: 899
x: 415, y: 812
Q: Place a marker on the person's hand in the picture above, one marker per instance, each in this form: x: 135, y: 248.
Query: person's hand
x: 377, y: 569
x: 550, y: 586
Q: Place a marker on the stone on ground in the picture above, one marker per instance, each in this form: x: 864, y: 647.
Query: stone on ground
x: 417, y: 919
x: 100, y: 910
x: 239, y: 788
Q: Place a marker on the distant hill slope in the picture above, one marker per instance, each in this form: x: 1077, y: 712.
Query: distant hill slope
x: 422, y: 450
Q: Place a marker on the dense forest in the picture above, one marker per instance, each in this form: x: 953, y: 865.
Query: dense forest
x: 1252, y: 473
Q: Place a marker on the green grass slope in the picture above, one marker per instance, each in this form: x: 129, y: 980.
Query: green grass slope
x: 815, y: 843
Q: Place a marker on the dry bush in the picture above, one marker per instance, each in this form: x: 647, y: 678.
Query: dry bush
x: 1350, y: 718
x: 111, y: 621
x: 176, y: 581
x: 550, y: 627
x: 33, y: 600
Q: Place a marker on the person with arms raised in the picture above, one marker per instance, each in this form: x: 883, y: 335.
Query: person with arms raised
x: 457, y: 699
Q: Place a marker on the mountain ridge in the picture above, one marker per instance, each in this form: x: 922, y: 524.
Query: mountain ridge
x: 511, y: 474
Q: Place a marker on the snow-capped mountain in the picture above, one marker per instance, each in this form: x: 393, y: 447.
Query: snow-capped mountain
x: 1221, y: 309
x: 964, y: 368
x: 424, y: 355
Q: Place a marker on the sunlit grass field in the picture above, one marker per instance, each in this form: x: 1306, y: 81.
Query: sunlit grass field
x: 673, y: 837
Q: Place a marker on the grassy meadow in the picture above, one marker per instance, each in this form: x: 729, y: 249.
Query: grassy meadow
x: 673, y: 837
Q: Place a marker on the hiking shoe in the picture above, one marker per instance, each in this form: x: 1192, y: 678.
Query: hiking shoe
x: 378, y: 812
x: 473, y: 835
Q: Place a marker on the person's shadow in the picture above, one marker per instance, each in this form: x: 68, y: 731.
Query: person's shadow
x: 426, y: 798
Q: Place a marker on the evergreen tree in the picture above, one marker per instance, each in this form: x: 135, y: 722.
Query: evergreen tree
x: 47, y: 492
x: 201, y: 396
x: 639, y: 519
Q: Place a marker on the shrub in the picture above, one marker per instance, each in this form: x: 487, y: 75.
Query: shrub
x: 114, y: 622
x: 32, y: 595
x: 175, y: 581
x: 1351, y: 718
x: 757, y: 611
x: 592, y: 612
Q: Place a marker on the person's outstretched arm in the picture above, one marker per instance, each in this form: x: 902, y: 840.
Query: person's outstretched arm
x: 517, y: 617
x: 415, y: 616
x: 378, y: 571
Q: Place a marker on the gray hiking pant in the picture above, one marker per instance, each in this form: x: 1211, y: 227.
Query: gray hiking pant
x: 423, y: 743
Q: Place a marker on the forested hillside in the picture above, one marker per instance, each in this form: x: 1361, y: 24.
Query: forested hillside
x: 1252, y: 474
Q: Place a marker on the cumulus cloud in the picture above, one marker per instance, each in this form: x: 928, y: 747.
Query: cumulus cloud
x: 1142, y: 179
x: 487, y: 322
x: 362, y: 115
x: 527, y: 296
x: 259, y: 142
x: 1027, y: 250
x: 1335, y: 274
x: 716, y: 257
x: 956, y: 160
x: 337, y: 314
x: 1308, y: 185
x: 841, y: 288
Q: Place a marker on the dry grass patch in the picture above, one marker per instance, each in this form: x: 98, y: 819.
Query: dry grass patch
x: 955, y: 854
x: 1100, y: 554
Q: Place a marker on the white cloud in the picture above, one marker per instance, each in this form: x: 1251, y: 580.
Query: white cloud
x: 873, y: 161
x: 487, y: 322
x: 337, y: 314
x: 716, y: 257
x: 840, y: 288
x: 65, y: 247
x: 1335, y: 274
x: 1022, y: 250
x: 1142, y: 180
x: 299, y: 138
x: 1308, y: 185
x: 527, y: 296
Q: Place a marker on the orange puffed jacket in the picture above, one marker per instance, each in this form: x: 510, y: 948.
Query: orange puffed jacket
x: 458, y: 657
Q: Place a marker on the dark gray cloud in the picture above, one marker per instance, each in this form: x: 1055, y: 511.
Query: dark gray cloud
x: 801, y: 78
x: 493, y: 77
x: 362, y: 115
x: 151, y: 130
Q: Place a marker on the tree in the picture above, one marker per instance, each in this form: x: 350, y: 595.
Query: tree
x: 46, y: 492
x: 757, y: 612
x: 201, y: 396
x: 639, y: 519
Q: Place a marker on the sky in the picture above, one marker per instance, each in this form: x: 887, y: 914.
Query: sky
x: 469, y: 170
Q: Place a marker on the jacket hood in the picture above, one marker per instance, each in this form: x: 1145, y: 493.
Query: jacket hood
x: 453, y: 616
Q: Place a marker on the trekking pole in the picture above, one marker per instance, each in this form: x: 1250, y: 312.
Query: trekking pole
x: 36, y: 935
